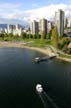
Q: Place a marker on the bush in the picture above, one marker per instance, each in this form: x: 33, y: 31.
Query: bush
x: 30, y: 36
x: 10, y: 35
x: 62, y: 42
x: 27, y: 36
x: 38, y: 36
x: 65, y: 49
x: 23, y: 35
x: 59, y: 45
x: 35, y: 36
x: 67, y: 41
x: 48, y: 42
x: 5, y: 39
x: 2, y: 35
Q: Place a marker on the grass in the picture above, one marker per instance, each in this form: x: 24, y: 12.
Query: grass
x: 65, y: 56
x: 11, y: 38
x: 33, y: 42
x: 38, y: 42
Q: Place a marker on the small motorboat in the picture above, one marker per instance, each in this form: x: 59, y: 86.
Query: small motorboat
x: 39, y: 88
x: 37, y: 60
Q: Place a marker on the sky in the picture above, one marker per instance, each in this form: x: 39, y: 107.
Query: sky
x: 24, y: 11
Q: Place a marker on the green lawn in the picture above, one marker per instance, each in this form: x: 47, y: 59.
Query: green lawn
x: 65, y: 56
x: 37, y: 42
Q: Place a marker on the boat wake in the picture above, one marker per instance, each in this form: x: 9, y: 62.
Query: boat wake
x: 47, y: 101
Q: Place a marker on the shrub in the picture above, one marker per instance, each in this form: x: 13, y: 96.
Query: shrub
x: 62, y: 42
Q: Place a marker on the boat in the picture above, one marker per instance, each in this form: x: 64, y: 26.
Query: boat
x: 39, y: 88
x: 37, y: 60
x: 42, y: 59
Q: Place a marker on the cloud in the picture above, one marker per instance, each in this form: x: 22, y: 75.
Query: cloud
x: 47, y: 12
x: 8, y: 9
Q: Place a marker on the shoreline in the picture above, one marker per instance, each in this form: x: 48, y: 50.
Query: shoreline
x: 44, y: 50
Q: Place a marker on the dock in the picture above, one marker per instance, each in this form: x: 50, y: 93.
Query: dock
x: 41, y: 59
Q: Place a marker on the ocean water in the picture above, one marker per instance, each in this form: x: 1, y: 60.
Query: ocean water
x: 19, y: 76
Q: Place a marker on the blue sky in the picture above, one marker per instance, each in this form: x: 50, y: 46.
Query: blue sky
x: 29, y: 4
x: 26, y: 10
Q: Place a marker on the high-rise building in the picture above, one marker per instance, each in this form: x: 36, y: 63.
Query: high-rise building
x: 18, y: 30
x: 65, y: 23
x: 34, y: 27
x: 14, y: 29
x: 49, y: 26
x: 69, y: 22
x: 10, y: 28
x: 43, y: 26
x: 17, y: 27
x: 59, y: 21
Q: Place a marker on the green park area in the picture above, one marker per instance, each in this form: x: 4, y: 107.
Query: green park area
x: 59, y: 42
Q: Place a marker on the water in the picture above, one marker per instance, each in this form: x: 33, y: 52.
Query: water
x: 19, y: 76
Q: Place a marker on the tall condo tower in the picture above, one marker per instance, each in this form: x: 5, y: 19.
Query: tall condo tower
x: 59, y: 21
x: 34, y: 27
x: 43, y: 26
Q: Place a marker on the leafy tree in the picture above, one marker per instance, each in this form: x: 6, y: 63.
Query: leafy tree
x: 23, y: 35
x: 35, y: 36
x: 38, y: 36
x: 30, y: 36
x: 2, y: 35
x: 67, y: 41
x: 48, y: 36
x: 59, y: 45
x: 27, y: 36
x: 16, y: 35
x: 55, y: 33
x: 6, y: 34
x: 63, y: 43
x: 42, y: 37
x: 10, y: 35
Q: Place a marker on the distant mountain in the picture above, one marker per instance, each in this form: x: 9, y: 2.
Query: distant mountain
x: 3, y: 25
x: 4, y: 22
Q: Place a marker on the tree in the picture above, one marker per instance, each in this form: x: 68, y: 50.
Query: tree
x: 42, y: 37
x: 10, y: 34
x: 48, y: 36
x: 2, y: 35
x: 35, y: 36
x: 6, y: 34
x: 38, y: 36
x: 27, y: 36
x: 23, y: 35
x: 62, y: 43
x: 30, y: 36
x: 55, y: 33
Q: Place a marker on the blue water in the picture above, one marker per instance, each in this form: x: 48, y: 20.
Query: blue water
x: 19, y: 76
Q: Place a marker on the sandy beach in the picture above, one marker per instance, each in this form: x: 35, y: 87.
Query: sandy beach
x: 21, y: 45
x: 47, y: 51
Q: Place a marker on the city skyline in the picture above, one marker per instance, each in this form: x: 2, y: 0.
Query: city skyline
x: 23, y: 12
